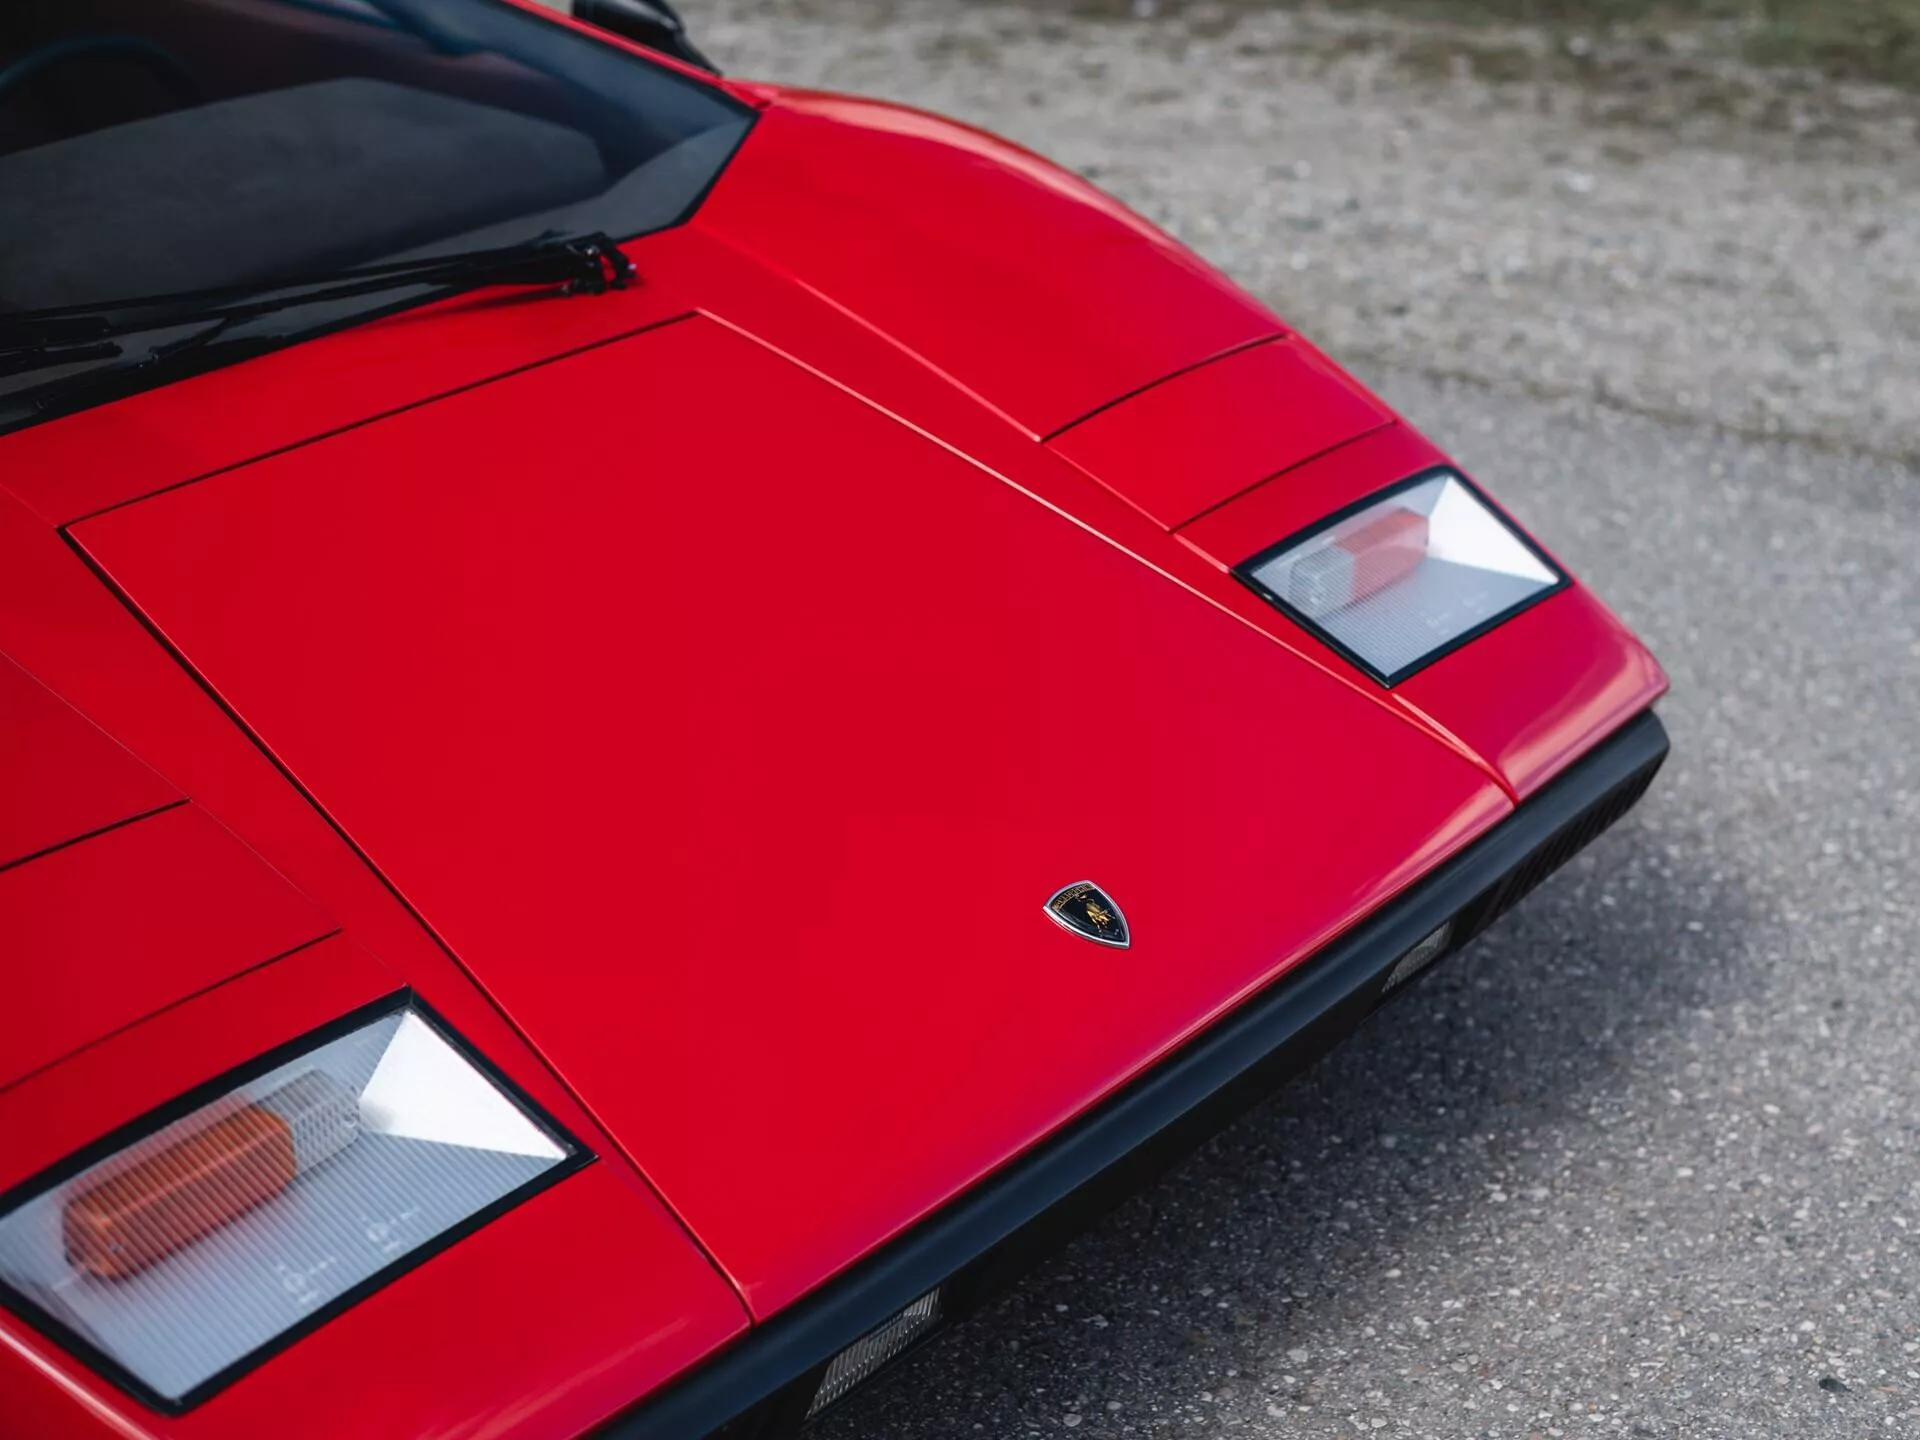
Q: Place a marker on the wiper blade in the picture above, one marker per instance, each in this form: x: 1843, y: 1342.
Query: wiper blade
x: 581, y: 265
x: 25, y: 358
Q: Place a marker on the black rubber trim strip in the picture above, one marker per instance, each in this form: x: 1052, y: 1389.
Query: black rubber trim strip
x: 763, y: 1382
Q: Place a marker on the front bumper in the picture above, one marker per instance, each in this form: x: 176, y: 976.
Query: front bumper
x: 762, y: 1386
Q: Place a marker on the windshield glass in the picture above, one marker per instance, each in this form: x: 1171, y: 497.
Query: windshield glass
x: 150, y: 147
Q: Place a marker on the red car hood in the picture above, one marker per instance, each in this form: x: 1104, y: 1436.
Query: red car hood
x: 1016, y: 280
x: 733, y: 734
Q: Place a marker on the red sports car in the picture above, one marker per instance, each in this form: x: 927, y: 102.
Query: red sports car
x: 650, y: 726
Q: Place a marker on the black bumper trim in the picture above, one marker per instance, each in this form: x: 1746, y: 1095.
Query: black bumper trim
x: 760, y: 1386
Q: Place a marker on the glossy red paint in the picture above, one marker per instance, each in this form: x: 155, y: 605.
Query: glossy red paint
x: 716, y: 700
x: 58, y: 618
x: 614, y: 1323
x: 790, y: 833
x: 62, y: 1109
x: 72, y: 630
x: 1196, y: 440
x: 1289, y: 502
x: 60, y: 776
x: 1530, y: 697
x: 926, y: 230
x: 1548, y: 685
x: 85, y: 463
x: 190, y: 907
x: 823, y: 338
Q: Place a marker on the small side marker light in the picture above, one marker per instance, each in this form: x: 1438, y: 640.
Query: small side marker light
x: 1419, y: 957
x: 874, y: 1349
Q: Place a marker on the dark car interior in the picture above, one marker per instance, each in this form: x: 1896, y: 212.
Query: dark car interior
x: 155, y: 146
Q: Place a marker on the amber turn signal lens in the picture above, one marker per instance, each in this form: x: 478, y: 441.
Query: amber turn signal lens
x: 281, y: 1194
x: 122, y: 1226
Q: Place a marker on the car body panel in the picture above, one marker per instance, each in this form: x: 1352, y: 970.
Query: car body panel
x: 62, y: 777
x: 78, y: 635
x: 926, y: 230
x: 80, y: 464
x: 974, y: 1248
x: 1194, y: 441
x: 71, y: 630
x: 751, y: 296
x: 1528, y: 697
x: 89, y: 462
x: 690, y: 809
x: 192, y: 907
x: 692, y: 693
x: 1537, y: 692
x: 1288, y: 503
x: 65, y: 1107
x: 641, y: 1307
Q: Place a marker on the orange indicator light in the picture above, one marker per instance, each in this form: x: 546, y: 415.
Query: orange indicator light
x: 121, y: 1225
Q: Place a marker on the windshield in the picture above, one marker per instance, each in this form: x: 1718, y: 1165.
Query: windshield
x: 154, y: 147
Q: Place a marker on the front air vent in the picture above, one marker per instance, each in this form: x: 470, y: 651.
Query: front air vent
x: 1562, y: 846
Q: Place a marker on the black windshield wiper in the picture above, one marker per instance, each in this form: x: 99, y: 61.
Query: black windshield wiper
x: 19, y: 360
x: 581, y: 265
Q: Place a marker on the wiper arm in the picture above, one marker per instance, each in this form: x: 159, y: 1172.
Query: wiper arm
x: 581, y: 265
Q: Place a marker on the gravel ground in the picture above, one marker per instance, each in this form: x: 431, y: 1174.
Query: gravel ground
x: 1657, y: 232
x: 1646, y: 1160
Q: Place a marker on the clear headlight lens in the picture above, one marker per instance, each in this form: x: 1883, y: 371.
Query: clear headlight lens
x: 1406, y: 576
x: 271, y: 1203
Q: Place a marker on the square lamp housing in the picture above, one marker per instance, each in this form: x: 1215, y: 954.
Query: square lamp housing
x: 183, y: 1250
x: 1406, y: 575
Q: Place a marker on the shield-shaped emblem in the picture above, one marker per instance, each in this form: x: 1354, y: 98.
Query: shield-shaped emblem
x: 1088, y: 911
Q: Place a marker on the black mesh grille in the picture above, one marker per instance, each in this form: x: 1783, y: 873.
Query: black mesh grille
x: 1562, y: 846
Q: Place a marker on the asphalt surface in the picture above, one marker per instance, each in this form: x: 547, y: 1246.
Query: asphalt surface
x: 1646, y: 1160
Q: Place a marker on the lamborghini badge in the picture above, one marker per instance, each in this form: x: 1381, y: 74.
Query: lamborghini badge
x: 1088, y: 911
